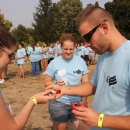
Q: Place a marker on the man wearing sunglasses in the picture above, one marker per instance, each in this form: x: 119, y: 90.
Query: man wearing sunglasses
x: 111, y: 80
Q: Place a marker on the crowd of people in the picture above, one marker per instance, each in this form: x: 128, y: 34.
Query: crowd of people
x: 68, y: 74
x: 41, y: 56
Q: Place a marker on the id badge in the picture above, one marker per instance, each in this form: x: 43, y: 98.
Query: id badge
x: 61, y: 72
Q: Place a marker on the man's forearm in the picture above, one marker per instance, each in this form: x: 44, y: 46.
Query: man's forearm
x: 84, y: 89
x: 117, y: 122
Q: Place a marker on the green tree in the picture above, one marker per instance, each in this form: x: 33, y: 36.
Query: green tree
x: 66, y: 17
x: 53, y: 19
x: 120, y: 10
x: 5, y: 23
x: 21, y: 34
x: 43, y: 21
x: 96, y: 3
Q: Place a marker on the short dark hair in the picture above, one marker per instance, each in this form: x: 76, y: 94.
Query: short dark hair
x: 93, y: 15
x: 6, y: 39
x: 21, y: 44
x: 65, y: 37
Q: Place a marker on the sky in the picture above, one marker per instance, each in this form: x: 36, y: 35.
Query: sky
x: 21, y: 11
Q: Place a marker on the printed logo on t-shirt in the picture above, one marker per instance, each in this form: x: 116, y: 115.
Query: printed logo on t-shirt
x: 78, y: 71
x: 111, y: 80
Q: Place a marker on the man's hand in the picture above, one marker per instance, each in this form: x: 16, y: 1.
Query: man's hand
x: 88, y: 115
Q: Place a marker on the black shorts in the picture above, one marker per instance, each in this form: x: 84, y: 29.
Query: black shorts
x: 50, y: 59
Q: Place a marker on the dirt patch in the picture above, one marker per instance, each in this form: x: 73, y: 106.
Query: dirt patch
x: 17, y: 92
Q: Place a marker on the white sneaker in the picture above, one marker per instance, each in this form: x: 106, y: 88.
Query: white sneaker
x: 2, y: 81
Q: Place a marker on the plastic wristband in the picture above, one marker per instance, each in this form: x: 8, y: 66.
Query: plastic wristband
x: 34, y: 100
x: 100, y: 120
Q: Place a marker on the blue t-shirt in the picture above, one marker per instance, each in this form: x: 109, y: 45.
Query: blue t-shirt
x: 28, y: 47
x: 50, y: 55
x: 79, y: 51
x: 86, y: 50
x: 57, y: 48
x: 45, y: 55
x: 20, y: 53
x: 74, y: 69
x: 82, y: 50
x: 112, y: 79
x: 35, y: 55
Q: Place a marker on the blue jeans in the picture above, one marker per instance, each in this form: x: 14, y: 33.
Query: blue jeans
x: 35, y: 68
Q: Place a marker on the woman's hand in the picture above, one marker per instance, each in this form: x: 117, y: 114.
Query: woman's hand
x: 55, y: 88
x: 44, y: 97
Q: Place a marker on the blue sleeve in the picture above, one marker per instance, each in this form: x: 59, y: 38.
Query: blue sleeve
x: 24, y: 53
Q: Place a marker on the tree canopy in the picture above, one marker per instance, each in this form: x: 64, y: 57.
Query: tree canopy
x: 53, y: 19
x: 5, y: 23
x: 120, y: 10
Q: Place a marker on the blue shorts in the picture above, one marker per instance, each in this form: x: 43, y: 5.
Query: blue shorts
x: 60, y: 112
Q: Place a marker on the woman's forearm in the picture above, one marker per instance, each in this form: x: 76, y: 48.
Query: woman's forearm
x: 7, y: 122
x: 22, y: 117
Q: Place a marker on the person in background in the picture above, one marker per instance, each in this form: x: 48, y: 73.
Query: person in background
x: 92, y: 57
x: 67, y: 69
x: 27, y: 48
x: 57, y: 49
x: 76, y: 49
x: 7, y: 122
x: 3, y: 75
x: 35, y: 53
x: 79, y: 51
x: 51, y: 53
x: 82, y: 50
x: 86, y: 51
x: 45, y: 57
x: 111, y: 80
x: 35, y: 56
x: 20, y: 57
x: 40, y: 58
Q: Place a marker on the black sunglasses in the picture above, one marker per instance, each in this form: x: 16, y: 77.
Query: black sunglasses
x: 11, y: 56
x: 88, y: 36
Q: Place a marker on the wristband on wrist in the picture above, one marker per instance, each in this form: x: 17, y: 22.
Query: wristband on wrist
x: 34, y: 100
x: 100, y: 120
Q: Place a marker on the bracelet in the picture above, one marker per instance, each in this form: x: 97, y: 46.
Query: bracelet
x: 34, y: 100
x: 100, y: 120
